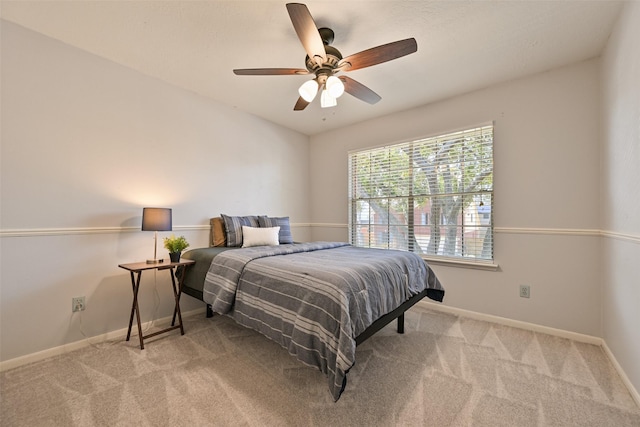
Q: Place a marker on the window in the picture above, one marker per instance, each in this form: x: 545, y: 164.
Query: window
x: 432, y: 196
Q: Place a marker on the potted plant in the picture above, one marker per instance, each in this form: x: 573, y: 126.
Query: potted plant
x: 175, y: 246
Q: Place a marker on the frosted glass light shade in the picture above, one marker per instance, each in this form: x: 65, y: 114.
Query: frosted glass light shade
x: 326, y: 100
x: 334, y: 86
x: 308, y: 90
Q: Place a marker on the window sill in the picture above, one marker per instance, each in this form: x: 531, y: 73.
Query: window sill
x: 450, y: 262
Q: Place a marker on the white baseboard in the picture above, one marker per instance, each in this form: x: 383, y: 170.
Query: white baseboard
x: 589, y: 339
x: 625, y: 379
x: 66, y: 348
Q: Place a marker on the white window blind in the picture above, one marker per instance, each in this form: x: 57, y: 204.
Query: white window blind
x: 433, y: 196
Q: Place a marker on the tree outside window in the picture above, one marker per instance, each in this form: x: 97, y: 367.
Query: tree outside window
x: 433, y: 196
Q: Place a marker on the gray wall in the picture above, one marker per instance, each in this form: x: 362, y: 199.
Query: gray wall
x: 86, y: 144
x: 620, y: 202
x: 546, y: 180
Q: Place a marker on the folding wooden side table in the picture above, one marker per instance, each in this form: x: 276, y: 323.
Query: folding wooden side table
x: 136, y: 269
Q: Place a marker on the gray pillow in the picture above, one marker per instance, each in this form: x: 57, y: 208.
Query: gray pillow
x: 284, y: 236
x: 233, y: 227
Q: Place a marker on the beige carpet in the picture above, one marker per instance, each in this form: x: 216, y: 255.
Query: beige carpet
x: 445, y: 370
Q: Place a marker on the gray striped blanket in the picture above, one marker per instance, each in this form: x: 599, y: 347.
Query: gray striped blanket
x: 315, y: 298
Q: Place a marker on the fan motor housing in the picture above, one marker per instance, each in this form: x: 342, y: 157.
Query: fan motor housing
x: 333, y: 57
x: 326, y: 34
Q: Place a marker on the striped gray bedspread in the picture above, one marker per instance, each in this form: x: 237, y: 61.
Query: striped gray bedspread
x: 315, y: 298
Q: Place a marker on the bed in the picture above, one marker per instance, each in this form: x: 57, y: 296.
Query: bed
x: 318, y: 300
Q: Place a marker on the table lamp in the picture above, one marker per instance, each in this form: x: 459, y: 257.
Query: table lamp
x: 156, y: 219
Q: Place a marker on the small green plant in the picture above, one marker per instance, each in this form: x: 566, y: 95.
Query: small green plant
x: 175, y: 244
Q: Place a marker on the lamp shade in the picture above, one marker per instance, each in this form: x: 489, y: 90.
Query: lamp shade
x: 156, y: 219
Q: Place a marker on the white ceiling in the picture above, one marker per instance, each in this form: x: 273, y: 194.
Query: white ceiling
x: 462, y: 46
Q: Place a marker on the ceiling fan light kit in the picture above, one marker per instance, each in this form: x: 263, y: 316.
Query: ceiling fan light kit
x: 334, y: 86
x: 308, y: 90
x: 325, y: 61
x: 326, y: 100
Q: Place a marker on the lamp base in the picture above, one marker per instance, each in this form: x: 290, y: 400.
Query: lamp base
x: 155, y: 261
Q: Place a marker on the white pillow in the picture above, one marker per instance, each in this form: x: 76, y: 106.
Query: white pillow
x: 253, y: 236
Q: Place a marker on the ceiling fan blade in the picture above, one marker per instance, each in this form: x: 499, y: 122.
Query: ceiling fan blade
x: 378, y: 54
x: 270, y: 71
x: 301, y: 104
x: 307, y: 31
x: 359, y: 90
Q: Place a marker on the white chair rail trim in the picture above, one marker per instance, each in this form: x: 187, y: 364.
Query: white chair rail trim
x: 65, y: 231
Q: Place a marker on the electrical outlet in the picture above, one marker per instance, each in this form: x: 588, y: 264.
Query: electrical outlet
x: 525, y: 292
x: 77, y: 304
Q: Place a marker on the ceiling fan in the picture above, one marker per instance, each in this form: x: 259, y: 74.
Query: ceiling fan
x: 325, y: 61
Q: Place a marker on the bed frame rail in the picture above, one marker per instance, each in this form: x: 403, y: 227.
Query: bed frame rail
x: 398, y: 313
